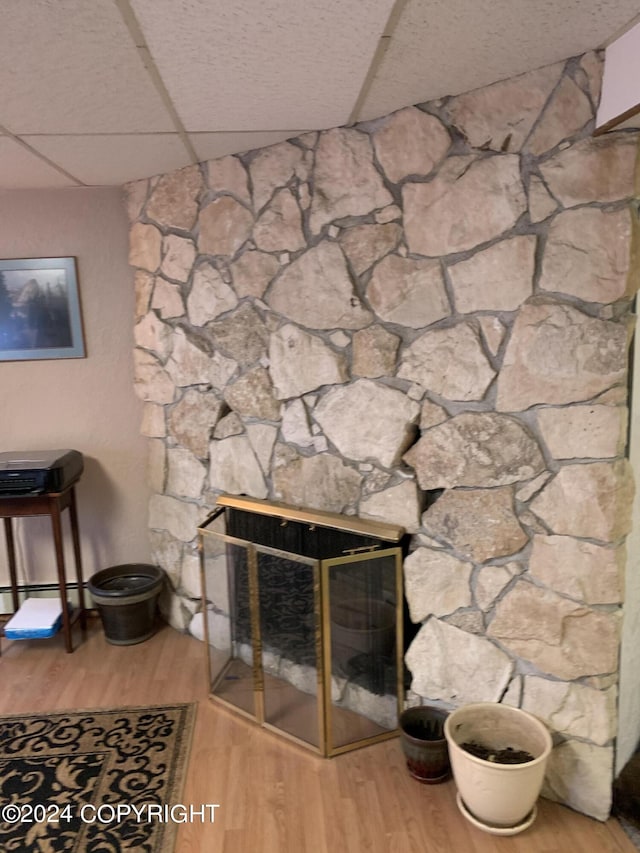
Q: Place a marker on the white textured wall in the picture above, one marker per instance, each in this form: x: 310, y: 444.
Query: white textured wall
x: 87, y: 404
x: 629, y: 708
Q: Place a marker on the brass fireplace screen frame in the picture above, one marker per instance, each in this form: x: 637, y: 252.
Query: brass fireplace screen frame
x: 321, y: 702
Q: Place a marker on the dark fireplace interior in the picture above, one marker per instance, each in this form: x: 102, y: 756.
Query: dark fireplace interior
x: 287, y: 615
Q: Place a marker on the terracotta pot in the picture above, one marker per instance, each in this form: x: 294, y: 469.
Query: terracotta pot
x: 498, y: 798
x: 424, y: 744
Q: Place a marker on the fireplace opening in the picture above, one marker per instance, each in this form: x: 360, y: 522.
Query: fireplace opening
x: 304, y: 616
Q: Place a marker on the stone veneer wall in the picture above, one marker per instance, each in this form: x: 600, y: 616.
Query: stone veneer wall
x: 432, y: 305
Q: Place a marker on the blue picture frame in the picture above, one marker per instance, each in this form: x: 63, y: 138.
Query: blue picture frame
x: 40, y: 314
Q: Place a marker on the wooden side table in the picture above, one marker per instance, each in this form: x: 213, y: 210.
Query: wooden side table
x: 51, y: 504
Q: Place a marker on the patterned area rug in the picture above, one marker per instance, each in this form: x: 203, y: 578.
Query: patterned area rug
x: 100, y: 781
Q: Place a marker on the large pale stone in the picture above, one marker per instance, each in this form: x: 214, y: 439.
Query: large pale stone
x: 174, y: 200
x: 559, y: 636
x: 185, y: 473
x: 151, y: 381
x: 368, y: 421
x: 154, y: 335
x: 493, y: 333
x: 179, y: 253
x: 582, y: 570
x: 374, y: 352
x: 143, y: 287
x: 230, y: 424
x: 218, y: 629
x: 235, y: 469
x: 526, y: 492
x: 228, y: 175
x: 567, y: 112
x: 431, y: 415
x: 580, y: 775
x: 580, y: 432
x: 156, y: 465
x: 436, y: 583
x: 145, y: 244
x: 408, y: 292
x: 252, y: 273
x: 456, y: 667
x: 465, y: 205
x: 166, y: 551
x: 573, y: 709
x: 300, y: 362
x: 251, y: 396
x: 593, y: 170
x: 225, y: 225
x: 274, y: 167
x: 295, y: 425
x: 410, y: 142
x: 587, y: 254
x: 475, y: 449
x: 590, y: 500
x: 153, y: 421
x: 189, y: 364
x: 192, y: 421
x: 501, y: 116
x: 365, y: 244
x: 210, y: 296
x: 346, y: 181
x: 262, y: 438
x: 396, y: 505
x: 316, y: 291
x: 322, y: 482
x: 241, y: 336
x: 179, y: 518
x: 190, y: 576
x: 490, y: 582
x: 557, y: 355
x: 167, y: 299
x: 499, y: 278
x: 279, y: 228
x: 478, y: 523
x: 448, y: 362
x: 541, y: 204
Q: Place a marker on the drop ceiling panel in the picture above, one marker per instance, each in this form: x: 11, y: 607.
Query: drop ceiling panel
x: 209, y: 146
x: 70, y: 66
x: 114, y: 159
x: 267, y: 64
x: 443, y: 47
x: 21, y: 170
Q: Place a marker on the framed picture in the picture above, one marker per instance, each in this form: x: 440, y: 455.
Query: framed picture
x: 39, y: 309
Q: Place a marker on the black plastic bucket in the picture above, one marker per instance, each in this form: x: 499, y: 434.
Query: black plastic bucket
x: 126, y: 598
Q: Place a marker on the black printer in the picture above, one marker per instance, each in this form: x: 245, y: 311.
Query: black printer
x: 37, y: 472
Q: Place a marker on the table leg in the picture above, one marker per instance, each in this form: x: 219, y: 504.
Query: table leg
x: 62, y: 578
x: 73, y: 515
x: 11, y: 554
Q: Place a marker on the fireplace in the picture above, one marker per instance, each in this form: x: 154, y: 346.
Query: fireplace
x: 304, y: 621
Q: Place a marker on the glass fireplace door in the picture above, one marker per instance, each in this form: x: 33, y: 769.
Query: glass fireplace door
x: 290, y: 647
x: 363, y: 643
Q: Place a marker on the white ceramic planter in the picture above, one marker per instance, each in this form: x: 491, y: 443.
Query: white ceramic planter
x: 499, y: 798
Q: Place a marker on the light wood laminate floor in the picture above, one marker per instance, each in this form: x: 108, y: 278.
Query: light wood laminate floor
x: 273, y: 796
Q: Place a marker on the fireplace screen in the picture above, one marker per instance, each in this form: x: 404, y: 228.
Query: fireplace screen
x: 303, y: 621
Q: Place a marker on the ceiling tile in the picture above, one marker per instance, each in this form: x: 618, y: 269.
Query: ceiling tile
x: 20, y: 170
x: 209, y: 146
x: 114, y: 159
x: 70, y: 66
x: 442, y: 47
x: 262, y: 63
